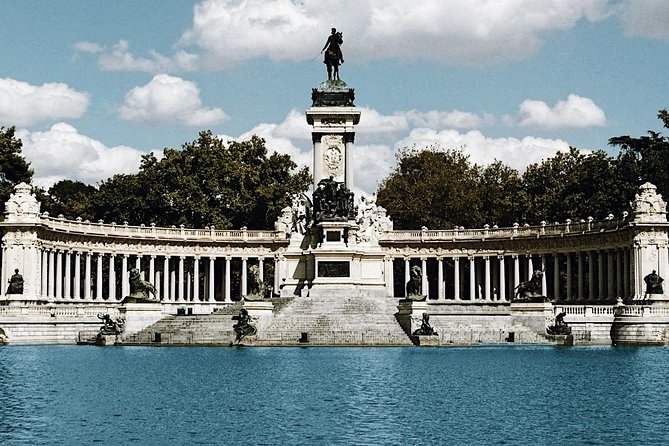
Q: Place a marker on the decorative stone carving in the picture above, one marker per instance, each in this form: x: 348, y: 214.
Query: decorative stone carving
x: 333, y: 156
x: 22, y: 206
x: 300, y: 210
x: 284, y: 222
x: 648, y: 206
x: 372, y: 221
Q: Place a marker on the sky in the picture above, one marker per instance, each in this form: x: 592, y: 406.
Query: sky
x: 92, y: 85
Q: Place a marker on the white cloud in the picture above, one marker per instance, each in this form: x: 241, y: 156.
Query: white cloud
x: 88, y: 47
x: 455, y: 119
x: 517, y: 153
x: 169, y: 99
x: 575, y: 112
x: 372, y: 122
x: 647, y: 18
x: 121, y: 59
x: 63, y: 153
x: 474, y: 32
x: 371, y: 164
x: 23, y: 104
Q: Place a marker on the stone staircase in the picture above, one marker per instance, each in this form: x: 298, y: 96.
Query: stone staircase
x: 335, y: 319
x: 327, y: 320
x: 209, y: 329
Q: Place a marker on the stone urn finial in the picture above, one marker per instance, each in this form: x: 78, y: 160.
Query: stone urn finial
x: 648, y: 206
x: 22, y: 206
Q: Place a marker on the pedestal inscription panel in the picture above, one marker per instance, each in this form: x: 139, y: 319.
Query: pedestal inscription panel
x: 334, y: 269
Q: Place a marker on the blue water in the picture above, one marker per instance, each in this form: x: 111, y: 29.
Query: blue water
x: 68, y: 395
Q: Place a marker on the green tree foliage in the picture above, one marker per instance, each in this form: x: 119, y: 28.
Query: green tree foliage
x: 207, y: 182
x: 576, y: 185
x: 440, y: 189
x: 647, y: 157
x: 71, y: 199
x: 14, y: 169
x: 432, y: 187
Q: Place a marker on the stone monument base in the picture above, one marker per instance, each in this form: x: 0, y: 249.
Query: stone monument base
x: 138, y: 316
x: 102, y: 340
x: 565, y: 340
x: 426, y: 340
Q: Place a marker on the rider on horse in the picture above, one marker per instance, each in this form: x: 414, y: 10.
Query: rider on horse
x: 333, y: 55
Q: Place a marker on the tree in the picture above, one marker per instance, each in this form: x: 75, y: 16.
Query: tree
x: 432, y: 187
x: 72, y: 199
x: 207, y: 182
x: 14, y: 169
x: 576, y: 185
x: 647, y: 157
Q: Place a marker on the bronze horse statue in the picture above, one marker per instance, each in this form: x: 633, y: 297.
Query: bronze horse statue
x: 333, y: 56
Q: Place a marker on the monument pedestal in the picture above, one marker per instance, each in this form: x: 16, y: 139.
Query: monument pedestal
x: 138, y: 316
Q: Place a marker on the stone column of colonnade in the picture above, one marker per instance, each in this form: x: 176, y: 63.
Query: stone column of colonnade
x: 583, y: 276
x: 87, y: 276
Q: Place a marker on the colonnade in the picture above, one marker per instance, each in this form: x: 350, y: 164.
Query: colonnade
x: 74, y: 275
x: 583, y: 275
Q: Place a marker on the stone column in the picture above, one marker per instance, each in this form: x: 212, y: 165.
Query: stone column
x: 602, y: 284
x: 581, y: 277
x: 59, y: 274
x: 226, y: 296
x: 166, y: 278
x: 152, y: 270
x: 530, y: 266
x: 245, y: 285
x: 261, y: 268
x: 423, y: 282
x: 388, y: 275
x: 456, y: 278
x: 440, y: 279
x: 516, y: 272
x: 626, y: 274
x: 196, y: 278
x: 407, y: 277
x: 112, y: 278
x: 181, y: 279
x: 591, y: 275
x: 348, y: 160
x: 544, y: 286
x: 187, y: 285
x: 98, y: 278
x: 67, y: 288
x: 610, y: 275
x: 87, y: 277
x: 212, y: 278
x: 77, y: 276
x: 173, y: 285
x: 318, y: 159
x: 620, y: 291
x: 45, y: 273
x: 556, y: 276
x: 52, y: 275
x: 486, y: 281
x: 570, y: 273
x: 138, y: 263
x: 472, y: 279
x: 125, y: 284
x: 502, y: 279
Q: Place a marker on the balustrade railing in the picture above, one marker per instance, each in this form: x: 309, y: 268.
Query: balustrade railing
x: 87, y: 310
x: 180, y: 233
x: 516, y: 231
